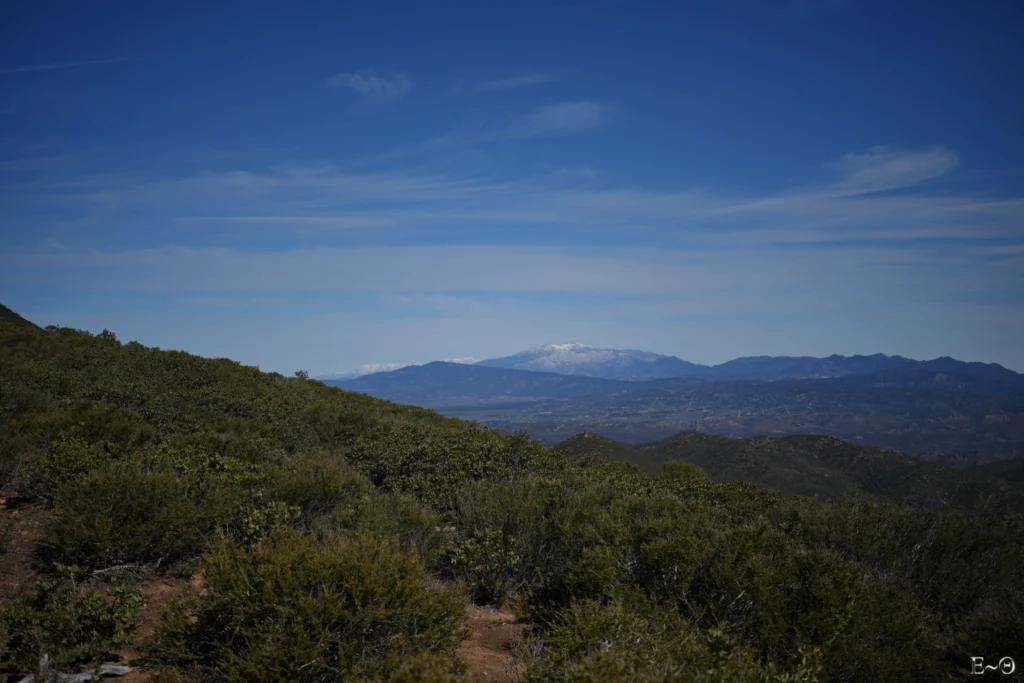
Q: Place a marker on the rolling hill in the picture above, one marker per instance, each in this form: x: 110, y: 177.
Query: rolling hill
x: 824, y: 467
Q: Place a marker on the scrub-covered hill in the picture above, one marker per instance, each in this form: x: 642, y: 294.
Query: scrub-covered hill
x: 321, y: 535
x: 827, y: 468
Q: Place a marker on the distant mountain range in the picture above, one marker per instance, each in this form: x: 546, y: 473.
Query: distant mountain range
x: 958, y: 412
x: 578, y: 359
x: 547, y: 366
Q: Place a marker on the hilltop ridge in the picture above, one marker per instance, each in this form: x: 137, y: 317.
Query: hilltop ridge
x: 9, y: 316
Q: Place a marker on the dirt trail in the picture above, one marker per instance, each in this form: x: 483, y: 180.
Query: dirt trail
x: 487, y: 650
x: 24, y: 523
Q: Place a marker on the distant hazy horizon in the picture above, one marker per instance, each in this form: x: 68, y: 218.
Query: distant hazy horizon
x: 338, y: 185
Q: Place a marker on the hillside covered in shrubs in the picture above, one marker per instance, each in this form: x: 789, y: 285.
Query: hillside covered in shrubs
x: 330, y: 536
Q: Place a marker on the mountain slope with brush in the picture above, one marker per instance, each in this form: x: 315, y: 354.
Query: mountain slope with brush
x: 258, y: 491
x: 825, y: 467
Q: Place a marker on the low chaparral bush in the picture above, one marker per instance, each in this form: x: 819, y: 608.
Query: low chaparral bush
x: 294, y: 608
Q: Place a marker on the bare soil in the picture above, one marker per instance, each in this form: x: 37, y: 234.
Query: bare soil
x: 487, y: 651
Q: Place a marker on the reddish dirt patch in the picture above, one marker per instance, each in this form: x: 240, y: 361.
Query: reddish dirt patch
x: 487, y: 651
x: 25, y: 524
x: 157, y: 593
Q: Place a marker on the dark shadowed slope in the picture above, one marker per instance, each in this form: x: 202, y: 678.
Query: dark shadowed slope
x: 1007, y: 470
x: 9, y: 316
x: 591, y: 445
x: 824, y: 467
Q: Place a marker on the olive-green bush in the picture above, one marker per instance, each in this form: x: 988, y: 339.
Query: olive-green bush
x: 121, y: 515
x: 629, y: 639
x: 293, y: 608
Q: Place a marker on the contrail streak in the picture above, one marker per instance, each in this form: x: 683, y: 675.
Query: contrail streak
x: 61, y: 65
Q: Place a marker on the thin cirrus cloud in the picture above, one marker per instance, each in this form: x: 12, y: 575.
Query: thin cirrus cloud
x: 884, y: 168
x: 324, y: 201
x: 518, y: 82
x: 372, y: 89
x: 59, y: 65
x: 557, y: 119
x: 564, y: 118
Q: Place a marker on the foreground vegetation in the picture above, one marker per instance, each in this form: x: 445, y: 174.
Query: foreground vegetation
x: 339, y: 537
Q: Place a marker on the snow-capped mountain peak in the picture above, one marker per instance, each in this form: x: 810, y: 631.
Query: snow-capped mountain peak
x: 574, y: 358
x: 570, y: 346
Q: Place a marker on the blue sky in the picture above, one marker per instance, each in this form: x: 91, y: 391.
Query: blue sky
x: 324, y: 185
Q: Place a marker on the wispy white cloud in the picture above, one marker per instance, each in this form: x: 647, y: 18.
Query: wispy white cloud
x: 373, y: 90
x: 1005, y: 250
x: 59, y: 65
x: 883, y: 168
x: 518, y: 82
x: 558, y: 119
x: 321, y: 201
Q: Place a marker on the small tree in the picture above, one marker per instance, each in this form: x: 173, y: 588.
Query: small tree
x: 302, y: 374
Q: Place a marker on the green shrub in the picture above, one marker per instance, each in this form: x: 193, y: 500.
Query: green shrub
x: 559, y: 540
x: 950, y: 560
x: 434, y: 464
x: 122, y: 515
x: 316, y: 484
x: 259, y: 517
x: 403, y: 518
x: 888, y: 635
x: 72, y: 624
x: 490, y: 564
x: 630, y: 639
x: 686, y: 479
x: 292, y: 608
x: 579, y: 535
x: 63, y: 462
x: 774, y: 592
